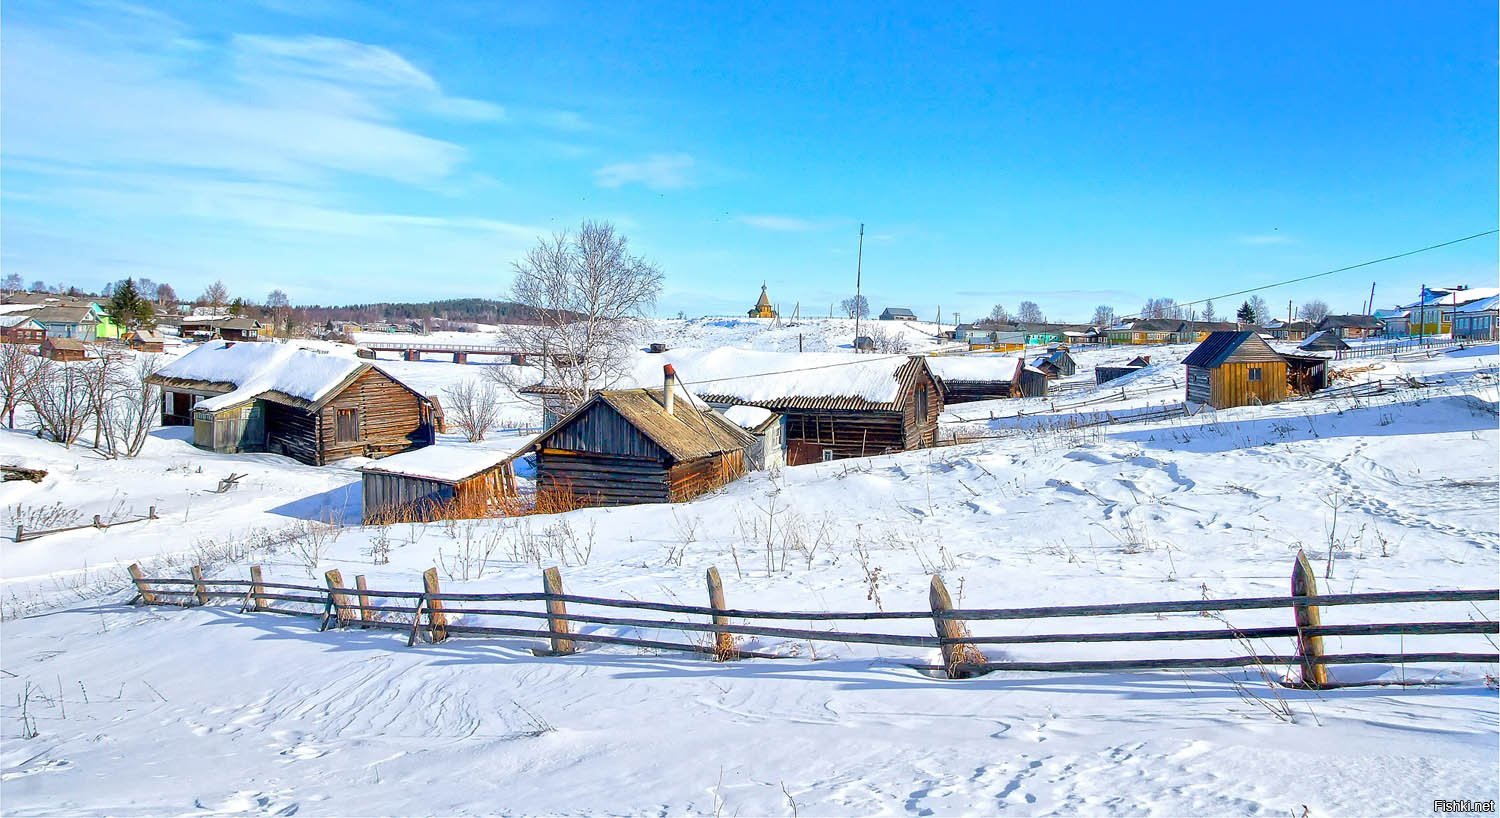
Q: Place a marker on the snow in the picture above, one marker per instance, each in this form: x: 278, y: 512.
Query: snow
x: 444, y: 463
x: 978, y: 367
x: 259, y: 367
x: 212, y: 711
x: 756, y: 376
x: 748, y: 417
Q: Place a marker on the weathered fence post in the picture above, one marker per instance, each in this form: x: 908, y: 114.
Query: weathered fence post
x: 552, y: 585
x: 1309, y: 646
x: 200, y: 590
x: 364, y: 601
x: 339, y: 599
x: 437, y: 622
x: 138, y: 576
x: 724, y: 649
x: 151, y: 513
x: 98, y: 523
x: 19, y: 533
x: 256, y: 589
x: 955, y: 652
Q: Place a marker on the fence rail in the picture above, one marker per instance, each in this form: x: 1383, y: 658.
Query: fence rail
x: 433, y: 612
x: 22, y: 534
x: 1406, y: 345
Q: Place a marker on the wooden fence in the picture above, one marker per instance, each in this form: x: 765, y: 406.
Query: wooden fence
x: 22, y: 534
x: 433, y: 612
x: 1397, y: 347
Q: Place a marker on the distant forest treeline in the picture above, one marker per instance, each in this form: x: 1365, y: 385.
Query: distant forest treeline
x: 460, y: 310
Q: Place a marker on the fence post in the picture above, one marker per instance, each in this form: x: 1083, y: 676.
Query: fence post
x: 724, y: 649
x: 19, y: 533
x: 151, y: 513
x: 552, y: 585
x: 137, y: 576
x: 339, y: 599
x: 1309, y: 646
x: 364, y: 601
x: 199, y: 589
x: 955, y: 652
x: 437, y: 622
x: 97, y: 522
x: 255, y: 589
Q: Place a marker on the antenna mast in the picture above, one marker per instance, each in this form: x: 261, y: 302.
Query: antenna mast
x: 859, y: 267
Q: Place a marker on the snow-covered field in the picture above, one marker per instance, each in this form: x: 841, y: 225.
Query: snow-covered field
x: 209, y: 711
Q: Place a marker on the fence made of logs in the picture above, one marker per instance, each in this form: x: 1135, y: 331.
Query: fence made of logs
x: 23, y: 533
x: 437, y: 616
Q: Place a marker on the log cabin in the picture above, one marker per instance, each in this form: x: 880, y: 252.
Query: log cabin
x: 64, y: 349
x: 310, y: 406
x: 1235, y: 369
x: 629, y: 446
x: 145, y: 340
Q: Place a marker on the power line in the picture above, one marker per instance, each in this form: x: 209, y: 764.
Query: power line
x: 1339, y: 270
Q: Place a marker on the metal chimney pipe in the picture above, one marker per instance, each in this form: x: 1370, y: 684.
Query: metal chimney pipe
x: 668, y: 387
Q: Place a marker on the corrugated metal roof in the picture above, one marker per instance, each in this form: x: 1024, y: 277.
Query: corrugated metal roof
x: 1219, y: 346
x: 906, y: 377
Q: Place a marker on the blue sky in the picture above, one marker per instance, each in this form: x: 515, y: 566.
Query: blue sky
x: 1069, y: 154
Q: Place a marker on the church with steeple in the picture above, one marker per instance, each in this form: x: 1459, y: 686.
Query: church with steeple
x: 762, y: 308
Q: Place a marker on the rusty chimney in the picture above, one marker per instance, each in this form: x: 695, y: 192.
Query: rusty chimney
x: 668, y: 387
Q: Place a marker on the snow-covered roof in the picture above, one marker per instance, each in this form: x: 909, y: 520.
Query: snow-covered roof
x: 748, y: 417
x: 1481, y: 305
x: 753, y: 376
x: 974, y: 367
x: 1446, y: 297
x: 445, y: 464
x: 254, y: 368
x: 16, y: 320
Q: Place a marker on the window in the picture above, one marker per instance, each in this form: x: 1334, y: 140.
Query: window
x: 922, y: 403
x: 827, y: 455
x: 1254, y: 374
x: 347, y: 430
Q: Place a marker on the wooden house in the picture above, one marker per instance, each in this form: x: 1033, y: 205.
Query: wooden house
x: 969, y: 378
x: 21, y: 329
x: 1323, y: 341
x: 313, y: 407
x: 1351, y: 326
x: 435, y: 482
x: 77, y: 323
x: 1478, y: 320
x: 897, y: 314
x: 1235, y: 369
x: 64, y: 349
x: 145, y: 340
x: 1057, y: 363
x: 769, y: 431
x: 627, y: 446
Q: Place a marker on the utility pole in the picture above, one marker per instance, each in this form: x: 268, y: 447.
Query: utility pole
x: 859, y: 267
x: 1289, y: 310
x: 1370, y: 305
x: 1421, y: 315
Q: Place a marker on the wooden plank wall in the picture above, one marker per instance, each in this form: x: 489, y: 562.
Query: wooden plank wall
x: 292, y: 432
x: 688, y: 480
x: 1232, y: 385
x: 602, y: 480
x: 391, y: 419
x: 920, y: 431
x: 846, y: 433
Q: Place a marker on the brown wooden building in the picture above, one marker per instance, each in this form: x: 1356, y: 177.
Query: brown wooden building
x: 966, y: 379
x: 628, y: 446
x: 64, y: 349
x: 832, y: 427
x: 21, y: 329
x: 145, y: 340
x: 435, y: 482
x: 310, y: 406
x: 1235, y: 369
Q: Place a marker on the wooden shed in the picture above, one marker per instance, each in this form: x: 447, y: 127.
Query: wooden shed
x: 435, y: 482
x: 1323, y: 341
x: 1235, y: 369
x: 1306, y: 374
x: 969, y: 378
x: 64, y: 349
x: 145, y: 340
x: 628, y: 446
x: 310, y: 406
x: 1105, y: 374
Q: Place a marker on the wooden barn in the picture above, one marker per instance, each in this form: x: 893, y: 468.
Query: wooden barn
x: 64, y: 349
x: 1062, y: 360
x: 969, y: 378
x: 310, y: 406
x: 1235, y: 369
x: 1105, y: 374
x: 849, y: 408
x: 145, y: 340
x: 628, y: 446
x: 435, y: 482
x: 1323, y: 341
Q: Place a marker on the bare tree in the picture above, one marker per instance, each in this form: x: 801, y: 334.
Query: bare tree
x: 1313, y: 311
x: 1261, y: 310
x: 11, y: 283
x: 129, y: 410
x: 1104, y: 316
x: 1208, y: 311
x: 890, y: 341
x: 280, y: 308
x: 856, y: 306
x: 166, y: 297
x: 472, y: 406
x: 1161, y: 308
x: 589, y: 294
x: 18, y: 368
x: 999, y: 314
x: 59, y: 399
x: 1030, y: 313
x: 216, y: 296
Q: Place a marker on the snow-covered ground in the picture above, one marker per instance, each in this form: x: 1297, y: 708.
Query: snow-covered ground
x: 209, y: 711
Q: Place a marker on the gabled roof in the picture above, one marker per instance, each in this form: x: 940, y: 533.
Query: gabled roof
x: 63, y: 315
x: 899, y: 311
x: 1349, y: 322
x: 66, y: 343
x: 439, y: 463
x: 276, y: 372
x: 1323, y: 340
x: 1219, y: 347
x: 690, y: 432
x: 974, y: 368
x: 18, y: 320
x: 1482, y: 305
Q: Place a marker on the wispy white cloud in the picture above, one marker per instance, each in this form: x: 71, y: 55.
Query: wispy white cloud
x: 660, y: 171
x: 785, y: 224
